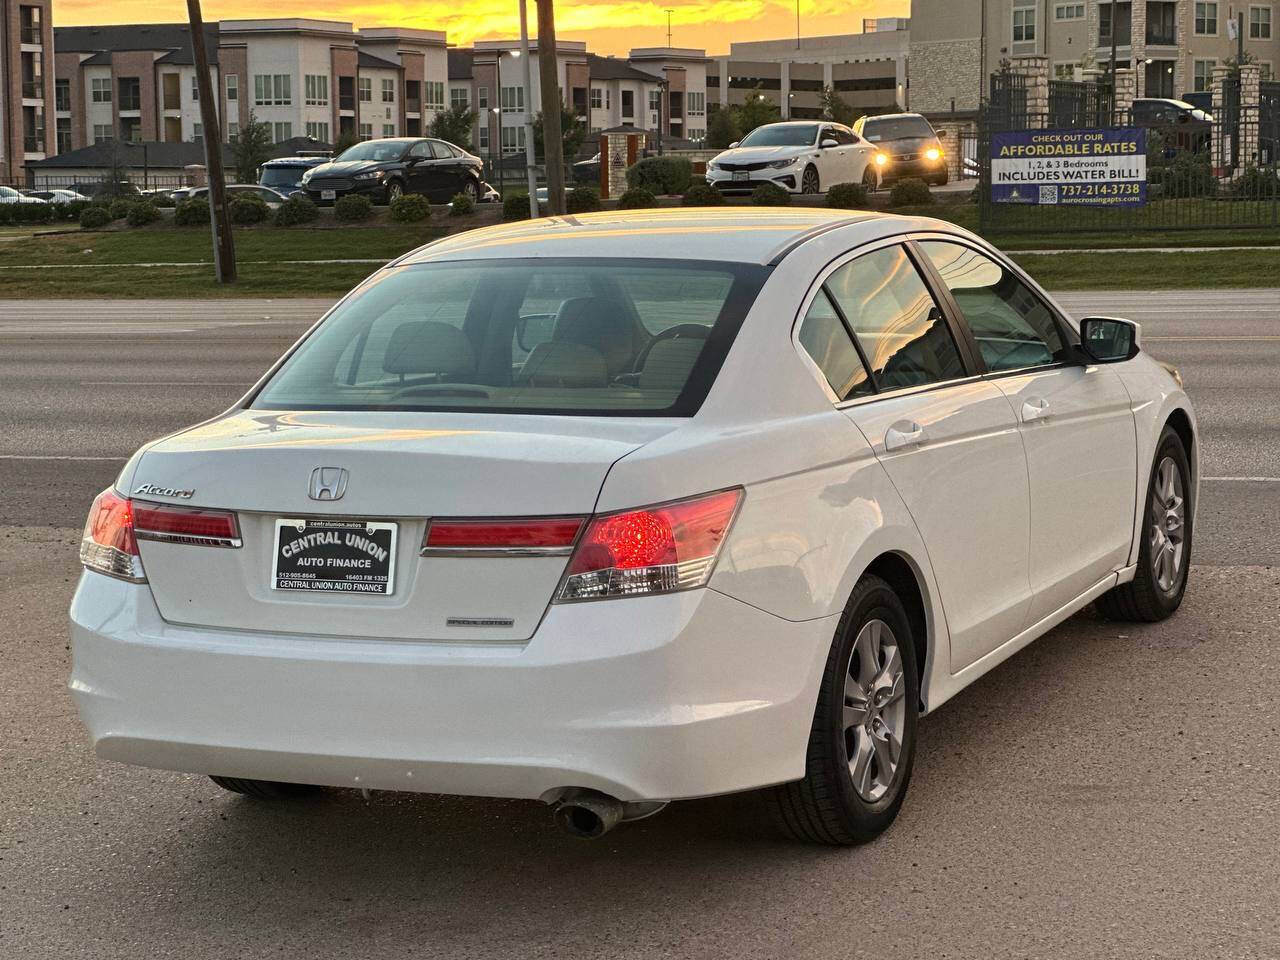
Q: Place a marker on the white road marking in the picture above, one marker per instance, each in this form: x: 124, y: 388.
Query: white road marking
x: 37, y: 456
x: 1259, y: 339
x: 1242, y: 479
x: 165, y: 383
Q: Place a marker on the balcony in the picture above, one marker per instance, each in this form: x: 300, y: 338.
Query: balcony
x: 32, y: 89
x: 30, y: 35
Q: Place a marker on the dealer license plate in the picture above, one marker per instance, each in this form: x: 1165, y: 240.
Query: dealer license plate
x: 328, y: 194
x: 741, y: 175
x: 335, y: 556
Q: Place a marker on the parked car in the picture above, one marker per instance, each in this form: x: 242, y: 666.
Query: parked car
x: 488, y: 193
x: 10, y: 195
x: 284, y: 174
x: 272, y: 198
x: 909, y: 145
x: 1180, y: 126
x: 799, y: 156
x: 55, y: 196
x: 385, y: 169
x: 607, y: 517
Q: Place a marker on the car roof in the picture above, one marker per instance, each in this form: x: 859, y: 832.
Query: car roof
x: 739, y: 234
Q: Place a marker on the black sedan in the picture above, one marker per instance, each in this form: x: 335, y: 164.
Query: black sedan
x: 909, y: 145
x: 386, y: 169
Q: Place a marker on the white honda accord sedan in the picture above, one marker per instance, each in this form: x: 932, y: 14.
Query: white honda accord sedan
x: 618, y: 509
x: 799, y: 156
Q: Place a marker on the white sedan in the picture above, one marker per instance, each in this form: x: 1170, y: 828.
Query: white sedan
x: 625, y: 508
x: 799, y: 156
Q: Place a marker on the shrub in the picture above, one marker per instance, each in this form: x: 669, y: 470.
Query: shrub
x: 582, y: 200
x: 410, y: 208
x: 120, y: 208
x: 910, y: 192
x: 163, y: 200
x: 702, y: 195
x: 353, y: 208
x: 1187, y: 175
x: 661, y: 174
x: 248, y: 209
x: 637, y: 198
x: 94, y: 217
x: 142, y: 212
x: 298, y: 209
x: 515, y: 206
x: 770, y: 195
x: 1257, y: 183
x: 6, y: 212
x: 32, y: 212
x: 191, y: 213
x: 847, y: 196
x: 462, y: 205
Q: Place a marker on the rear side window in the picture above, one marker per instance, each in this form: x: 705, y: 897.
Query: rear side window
x: 578, y: 337
x: 826, y: 339
x: 902, y: 332
x: 1013, y: 327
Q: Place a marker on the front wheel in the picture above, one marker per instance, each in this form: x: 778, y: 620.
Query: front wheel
x: 809, y: 181
x: 471, y: 190
x: 395, y: 190
x: 1165, y: 554
x: 870, y: 180
x: 862, y: 742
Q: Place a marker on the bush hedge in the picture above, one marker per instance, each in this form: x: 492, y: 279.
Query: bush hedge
x: 702, y: 195
x: 94, y: 217
x: 142, y: 212
x: 661, y: 174
x: 1257, y: 183
x: 847, y: 196
x: 515, y: 206
x: 353, y: 208
x: 26, y: 212
x: 298, y: 209
x: 582, y: 200
x: 910, y: 192
x: 637, y: 198
x: 248, y: 209
x: 119, y: 209
x: 462, y: 205
x: 770, y: 195
x: 191, y: 213
x: 410, y: 208
x: 1187, y: 175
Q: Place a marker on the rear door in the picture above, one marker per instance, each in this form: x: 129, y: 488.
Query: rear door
x: 1076, y: 423
x: 947, y: 439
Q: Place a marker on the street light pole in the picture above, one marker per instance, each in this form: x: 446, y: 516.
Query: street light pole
x: 530, y: 156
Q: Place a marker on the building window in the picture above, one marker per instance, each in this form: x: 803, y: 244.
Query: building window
x: 388, y: 129
x: 697, y: 105
x: 435, y: 94
x: 366, y: 90
x: 33, y: 129
x: 512, y: 101
x: 272, y: 89
x: 628, y: 104
x: 1065, y: 70
x: 100, y: 89
x: 513, y: 140
x: 29, y: 25
x: 130, y: 129
x: 597, y: 98
x: 197, y: 131
x: 62, y: 95
x: 195, y: 88
x: 388, y: 90
x: 101, y: 132
x: 233, y: 87
x: 655, y: 100
x: 32, y: 76
x: 1202, y: 75
x: 130, y: 93
x: 482, y: 141
x: 482, y: 98
x: 1206, y: 19
x: 233, y: 131
x: 63, y: 130
x: 1024, y: 25
x: 696, y: 134
x: 1259, y: 23
x: 318, y: 131
x: 316, y: 89
x: 1265, y: 73
x: 1068, y: 11
x: 458, y: 98
x: 366, y: 131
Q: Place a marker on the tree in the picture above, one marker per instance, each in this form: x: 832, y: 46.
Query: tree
x: 573, y: 131
x: 834, y: 108
x: 722, y: 128
x: 455, y: 126
x: 756, y: 112
x: 346, y: 140
x: 251, y: 149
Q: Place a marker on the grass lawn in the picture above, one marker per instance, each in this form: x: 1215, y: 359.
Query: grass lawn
x: 255, y: 280
x: 1136, y: 270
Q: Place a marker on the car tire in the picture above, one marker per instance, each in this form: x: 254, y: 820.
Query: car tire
x: 873, y: 653
x: 472, y: 190
x: 395, y: 190
x: 264, y: 789
x: 809, y: 182
x: 1164, y: 557
x: 870, y: 179
x: 941, y: 179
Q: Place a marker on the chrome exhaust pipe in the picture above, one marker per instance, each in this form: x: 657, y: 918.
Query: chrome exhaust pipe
x: 588, y: 814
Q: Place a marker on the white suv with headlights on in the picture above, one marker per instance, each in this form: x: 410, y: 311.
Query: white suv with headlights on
x: 800, y: 156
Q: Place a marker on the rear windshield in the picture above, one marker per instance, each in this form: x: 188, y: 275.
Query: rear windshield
x: 578, y: 337
x: 897, y: 128
x: 782, y: 135
x: 281, y: 176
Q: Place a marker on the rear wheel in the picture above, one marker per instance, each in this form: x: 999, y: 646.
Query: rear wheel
x: 264, y: 789
x: 862, y: 742
x: 1165, y: 554
x: 809, y: 181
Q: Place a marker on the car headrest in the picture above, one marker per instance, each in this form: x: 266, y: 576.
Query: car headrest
x: 428, y: 346
x: 562, y: 364
x: 669, y: 363
x: 601, y: 324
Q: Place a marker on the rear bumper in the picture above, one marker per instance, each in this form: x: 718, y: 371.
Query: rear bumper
x: 683, y: 695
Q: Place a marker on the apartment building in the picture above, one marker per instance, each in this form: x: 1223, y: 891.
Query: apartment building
x: 1173, y: 45
x: 868, y: 70
x: 681, y: 104
x: 27, y: 87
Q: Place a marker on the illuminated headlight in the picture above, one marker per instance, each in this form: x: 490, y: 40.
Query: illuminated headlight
x: 933, y: 154
x: 783, y: 164
x: 371, y: 175
x: 881, y: 160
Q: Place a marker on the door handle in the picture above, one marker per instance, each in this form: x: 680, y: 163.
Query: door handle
x: 1035, y: 408
x: 903, y: 434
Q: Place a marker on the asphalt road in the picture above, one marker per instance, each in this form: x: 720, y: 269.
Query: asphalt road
x: 1111, y: 791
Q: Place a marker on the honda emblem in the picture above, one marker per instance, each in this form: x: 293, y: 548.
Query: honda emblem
x: 328, y: 483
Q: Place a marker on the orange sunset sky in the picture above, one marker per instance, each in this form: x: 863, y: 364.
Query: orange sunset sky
x: 607, y: 27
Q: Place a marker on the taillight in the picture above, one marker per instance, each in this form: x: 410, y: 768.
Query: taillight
x: 535, y: 537
x: 109, y: 545
x: 658, y: 549
x: 194, y: 525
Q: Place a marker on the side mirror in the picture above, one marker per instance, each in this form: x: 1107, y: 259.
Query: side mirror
x: 733, y: 145
x: 1109, y: 339
x: 829, y: 143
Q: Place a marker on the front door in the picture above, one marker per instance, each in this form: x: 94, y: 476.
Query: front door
x: 1076, y: 423
x: 950, y: 444
x: 418, y: 172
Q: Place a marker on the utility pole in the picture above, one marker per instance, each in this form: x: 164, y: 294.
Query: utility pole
x: 549, y: 76
x: 530, y: 156
x: 224, y: 250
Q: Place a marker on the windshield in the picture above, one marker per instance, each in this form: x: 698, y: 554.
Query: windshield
x: 782, y: 135
x: 579, y: 337
x: 379, y: 150
x: 897, y: 128
x: 281, y: 176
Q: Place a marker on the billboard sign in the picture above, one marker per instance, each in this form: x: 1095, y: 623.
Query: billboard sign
x: 1105, y: 167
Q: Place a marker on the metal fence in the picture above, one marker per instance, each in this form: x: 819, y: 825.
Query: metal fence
x: 92, y: 186
x: 1201, y: 174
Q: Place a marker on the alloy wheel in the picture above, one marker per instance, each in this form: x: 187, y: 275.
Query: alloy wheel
x: 469, y: 188
x: 394, y: 192
x: 874, y: 715
x: 809, y: 181
x: 1167, y: 532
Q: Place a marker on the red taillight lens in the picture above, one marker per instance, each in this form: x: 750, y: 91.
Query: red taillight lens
x: 109, y: 545
x: 158, y: 521
x: 504, y: 537
x: 652, y: 550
